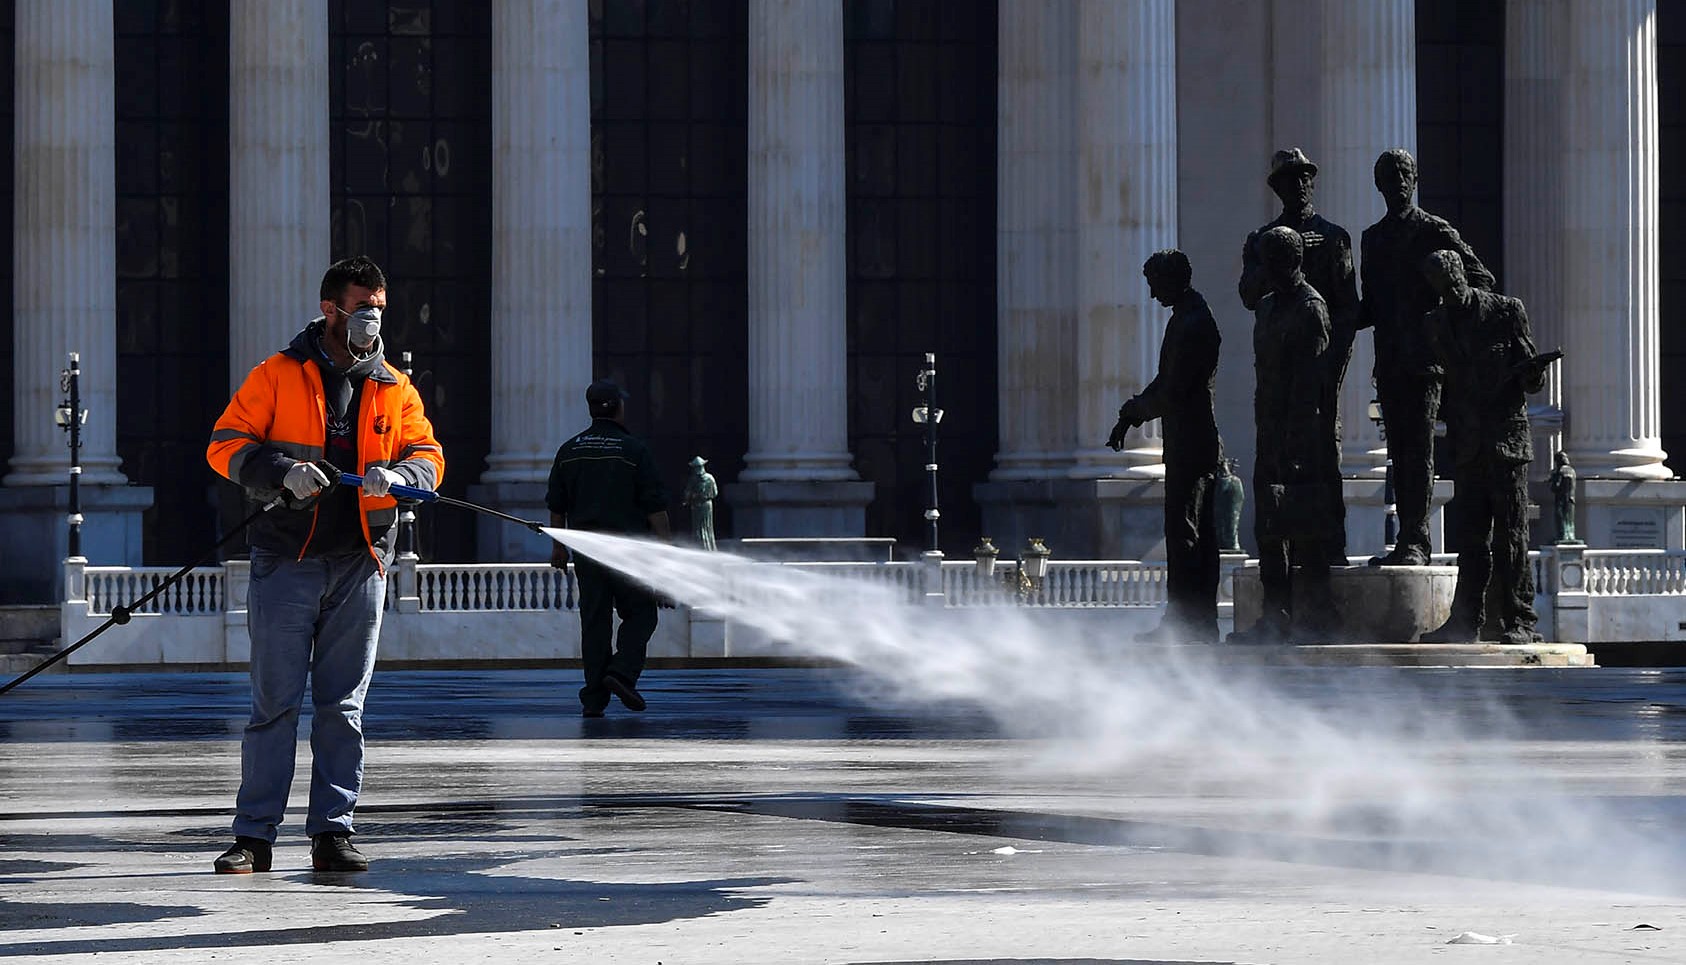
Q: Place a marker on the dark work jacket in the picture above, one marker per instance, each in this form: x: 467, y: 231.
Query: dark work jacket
x: 1486, y: 409
x: 1397, y: 297
x: 605, y: 479
x: 1290, y: 337
x: 1327, y: 266
x: 1180, y: 395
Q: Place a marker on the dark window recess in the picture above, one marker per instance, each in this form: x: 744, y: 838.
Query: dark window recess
x: 172, y: 261
x: 1671, y: 116
x: 920, y: 80
x: 668, y: 173
x: 410, y: 108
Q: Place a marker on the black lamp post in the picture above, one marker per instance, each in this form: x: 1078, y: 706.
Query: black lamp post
x: 928, y: 415
x: 406, y: 509
x: 69, y: 416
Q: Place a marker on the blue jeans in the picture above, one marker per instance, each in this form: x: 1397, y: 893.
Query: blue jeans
x: 318, y: 618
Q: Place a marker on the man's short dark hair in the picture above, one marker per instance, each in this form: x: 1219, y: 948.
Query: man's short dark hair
x: 356, y: 270
x: 1169, y: 265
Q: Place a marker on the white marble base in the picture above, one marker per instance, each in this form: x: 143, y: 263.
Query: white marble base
x: 1632, y: 514
x: 799, y: 508
x: 34, y: 539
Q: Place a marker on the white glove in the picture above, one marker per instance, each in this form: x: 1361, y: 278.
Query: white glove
x: 304, y: 480
x: 378, y: 481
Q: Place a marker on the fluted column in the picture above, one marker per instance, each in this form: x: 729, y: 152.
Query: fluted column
x: 541, y: 233
x: 1610, y: 242
x: 1536, y: 50
x: 1126, y: 210
x: 798, y: 361
x: 278, y: 203
x: 1369, y: 99
x: 1036, y: 237
x: 64, y: 294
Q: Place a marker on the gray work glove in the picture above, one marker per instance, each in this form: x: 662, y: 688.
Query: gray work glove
x: 304, y: 480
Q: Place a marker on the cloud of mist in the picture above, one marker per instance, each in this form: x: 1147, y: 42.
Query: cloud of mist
x: 1401, y: 768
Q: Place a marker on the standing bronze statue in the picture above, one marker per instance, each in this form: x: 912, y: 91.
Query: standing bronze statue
x: 1484, y: 344
x: 1397, y: 299
x: 1294, y: 504
x: 1180, y: 395
x: 1231, y: 498
x: 1563, y: 491
x: 1327, y: 266
x: 700, y: 492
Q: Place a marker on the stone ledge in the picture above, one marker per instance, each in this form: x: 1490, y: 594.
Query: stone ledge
x: 1417, y: 655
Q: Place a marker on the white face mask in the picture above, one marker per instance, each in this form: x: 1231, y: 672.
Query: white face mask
x: 362, y: 328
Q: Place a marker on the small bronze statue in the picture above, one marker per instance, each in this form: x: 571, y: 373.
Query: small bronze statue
x: 1397, y: 300
x: 1563, y: 488
x: 1484, y: 343
x: 1230, y: 497
x: 1180, y: 395
x: 1295, y: 508
x: 1327, y: 266
x: 700, y: 493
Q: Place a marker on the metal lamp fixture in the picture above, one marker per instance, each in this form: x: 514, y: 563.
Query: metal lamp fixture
x: 985, y: 555
x: 928, y: 415
x: 71, y: 417
x: 1034, y: 560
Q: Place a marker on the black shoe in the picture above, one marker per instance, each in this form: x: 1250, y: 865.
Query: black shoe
x: 630, y: 697
x: 335, y: 852
x: 1259, y: 633
x: 244, y: 856
x: 1401, y: 556
x: 591, y: 711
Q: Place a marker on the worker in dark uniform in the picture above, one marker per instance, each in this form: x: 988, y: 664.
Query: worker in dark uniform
x: 1327, y: 266
x: 1180, y: 395
x: 1397, y: 300
x: 605, y: 480
x: 1483, y: 341
x: 1294, y: 500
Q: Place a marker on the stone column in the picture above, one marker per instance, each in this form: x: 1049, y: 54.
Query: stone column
x: 1536, y: 51
x: 798, y: 478
x: 1126, y: 210
x: 541, y: 256
x: 1087, y: 189
x: 1610, y: 369
x: 1036, y: 239
x: 278, y: 204
x: 1369, y: 104
x: 64, y: 297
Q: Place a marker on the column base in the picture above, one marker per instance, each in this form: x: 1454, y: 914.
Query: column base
x: 1078, y: 519
x: 499, y: 541
x: 37, y: 539
x: 1632, y: 513
x: 799, y: 507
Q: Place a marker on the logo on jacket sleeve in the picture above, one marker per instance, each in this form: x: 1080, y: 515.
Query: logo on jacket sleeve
x: 382, y: 424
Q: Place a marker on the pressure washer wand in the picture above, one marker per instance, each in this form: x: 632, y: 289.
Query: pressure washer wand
x: 121, y: 615
x: 429, y: 496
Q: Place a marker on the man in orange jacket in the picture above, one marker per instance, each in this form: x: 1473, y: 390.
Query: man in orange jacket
x: 319, y: 562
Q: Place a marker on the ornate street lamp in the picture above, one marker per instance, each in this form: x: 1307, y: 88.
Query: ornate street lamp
x: 70, y: 416
x: 985, y: 554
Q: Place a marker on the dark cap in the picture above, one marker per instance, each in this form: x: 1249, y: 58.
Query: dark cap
x: 604, y: 393
x: 1291, y: 161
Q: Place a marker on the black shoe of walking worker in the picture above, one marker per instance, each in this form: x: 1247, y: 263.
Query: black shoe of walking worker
x: 605, y: 480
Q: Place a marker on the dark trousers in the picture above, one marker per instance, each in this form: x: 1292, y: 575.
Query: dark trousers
x: 1409, y: 405
x: 1191, y: 553
x: 1490, y: 511
x: 1277, y: 578
x: 603, y: 592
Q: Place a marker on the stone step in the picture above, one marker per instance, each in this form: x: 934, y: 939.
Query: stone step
x: 29, y: 622
x: 12, y: 664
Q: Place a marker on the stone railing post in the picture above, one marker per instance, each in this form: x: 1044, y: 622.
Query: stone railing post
x: 73, y: 612
x: 409, y: 583
x: 931, y: 578
x: 236, y: 621
x: 1570, y: 597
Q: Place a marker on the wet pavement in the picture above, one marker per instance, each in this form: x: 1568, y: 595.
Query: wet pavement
x: 807, y: 816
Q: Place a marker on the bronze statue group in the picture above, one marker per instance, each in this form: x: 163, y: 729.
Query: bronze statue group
x: 1446, y: 345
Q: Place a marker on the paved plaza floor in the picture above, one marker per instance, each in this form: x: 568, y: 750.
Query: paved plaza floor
x: 805, y: 816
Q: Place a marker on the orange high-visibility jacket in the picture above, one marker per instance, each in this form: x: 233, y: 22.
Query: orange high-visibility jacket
x: 279, y: 415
